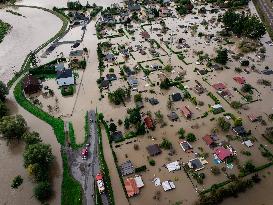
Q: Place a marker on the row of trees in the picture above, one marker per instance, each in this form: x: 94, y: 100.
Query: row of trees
x: 243, y: 25
x: 37, y: 156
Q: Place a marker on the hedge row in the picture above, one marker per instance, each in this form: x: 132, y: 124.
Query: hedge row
x: 104, y: 167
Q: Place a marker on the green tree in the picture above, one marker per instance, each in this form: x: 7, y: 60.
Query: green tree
x: 152, y: 162
x: 222, y: 56
x: 4, y: 91
x: 127, y: 123
x: 16, y: 182
x: 138, y: 97
x: 38, y: 153
x: 191, y: 137
x: 112, y: 127
x: 168, y: 68
x: 223, y: 124
x: 247, y: 88
x: 236, y: 104
x: 3, y: 109
x: 181, y: 133
x: 42, y: 191
x: 13, y: 127
x: 238, y: 122
x: 31, y: 138
x: 166, y: 144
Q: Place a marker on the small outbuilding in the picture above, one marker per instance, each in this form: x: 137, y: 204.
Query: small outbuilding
x: 127, y: 168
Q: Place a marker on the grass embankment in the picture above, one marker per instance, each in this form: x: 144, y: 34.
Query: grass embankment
x: 4, y: 29
x: 73, y: 143
x: 264, y: 18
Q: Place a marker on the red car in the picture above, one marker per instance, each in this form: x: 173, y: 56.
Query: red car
x: 84, y: 153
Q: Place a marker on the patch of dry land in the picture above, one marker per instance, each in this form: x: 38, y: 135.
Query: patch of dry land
x: 154, y: 76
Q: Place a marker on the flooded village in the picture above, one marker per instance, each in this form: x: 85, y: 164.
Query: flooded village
x: 136, y: 102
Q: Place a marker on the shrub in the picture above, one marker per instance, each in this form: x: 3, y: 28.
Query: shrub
x: 181, y: 133
x: 215, y: 170
x: 66, y: 91
x: 16, y: 182
x: 191, y: 137
x: 42, y: 191
x: 140, y: 169
x: 152, y: 162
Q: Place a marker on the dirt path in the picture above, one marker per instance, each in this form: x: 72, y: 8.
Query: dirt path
x: 120, y: 198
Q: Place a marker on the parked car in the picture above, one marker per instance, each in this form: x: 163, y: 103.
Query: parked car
x: 84, y: 153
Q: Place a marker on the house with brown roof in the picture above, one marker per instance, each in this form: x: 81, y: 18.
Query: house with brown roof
x: 131, y: 187
x: 219, y: 86
x: 149, y: 122
x: 31, y: 85
x: 209, y: 140
x: 186, y: 111
x: 145, y: 35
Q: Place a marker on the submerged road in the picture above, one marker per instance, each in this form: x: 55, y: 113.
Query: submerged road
x: 267, y: 10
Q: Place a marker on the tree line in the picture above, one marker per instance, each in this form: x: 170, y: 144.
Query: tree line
x: 37, y: 155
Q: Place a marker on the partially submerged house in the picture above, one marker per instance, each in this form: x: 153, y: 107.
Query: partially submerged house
x: 217, y: 108
x: 196, y: 164
x: 109, y: 57
x: 145, y: 35
x: 65, y: 77
x: 78, y: 55
x: 239, y: 130
x: 168, y: 185
x: 111, y: 77
x: 209, y: 141
x: 31, y: 85
x: 219, y: 86
x: 154, y: 150
x: 133, y: 82
x: 126, y: 168
x: 116, y: 136
x: 173, y: 116
x: 131, y: 187
x: 240, y: 80
x: 153, y: 101
x: 186, y: 111
x: 186, y: 146
x: 149, y: 122
x: 173, y: 166
x: 177, y: 97
x: 223, y: 153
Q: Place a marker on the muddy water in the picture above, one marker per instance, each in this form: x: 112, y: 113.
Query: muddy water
x: 26, y: 35
x: 11, y: 161
x: 62, y: 3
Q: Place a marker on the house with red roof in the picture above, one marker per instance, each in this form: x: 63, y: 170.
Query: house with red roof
x: 223, y: 153
x: 145, y: 35
x: 240, y: 80
x: 208, y: 140
x: 149, y: 122
x: 131, y: 187
x: 219, y: 86
x: 186, y: 111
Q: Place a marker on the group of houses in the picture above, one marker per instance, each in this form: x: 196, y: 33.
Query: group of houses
x: 64, y: 75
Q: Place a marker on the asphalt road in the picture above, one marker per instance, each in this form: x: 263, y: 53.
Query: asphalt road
x: 85, y: 171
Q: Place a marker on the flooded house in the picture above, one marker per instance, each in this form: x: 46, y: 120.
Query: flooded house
x: 126, y: 168
x: 186, y: 146
x: 109, y: 57
x: 186, y: 111
x: 65, y: 77
x: 78, y: 55
x: 154, y: 150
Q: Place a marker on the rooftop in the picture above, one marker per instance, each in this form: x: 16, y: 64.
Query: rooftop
x: 126, y: 168
x: 153, y: 149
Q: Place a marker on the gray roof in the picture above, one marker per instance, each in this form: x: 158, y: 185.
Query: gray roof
x: 173, y: 116
x: 67, y: 73
x: 132, y: 81
x: 153, y: 149
x: 126, y: 168
x: 196, y: 164
x: 76, y: 53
